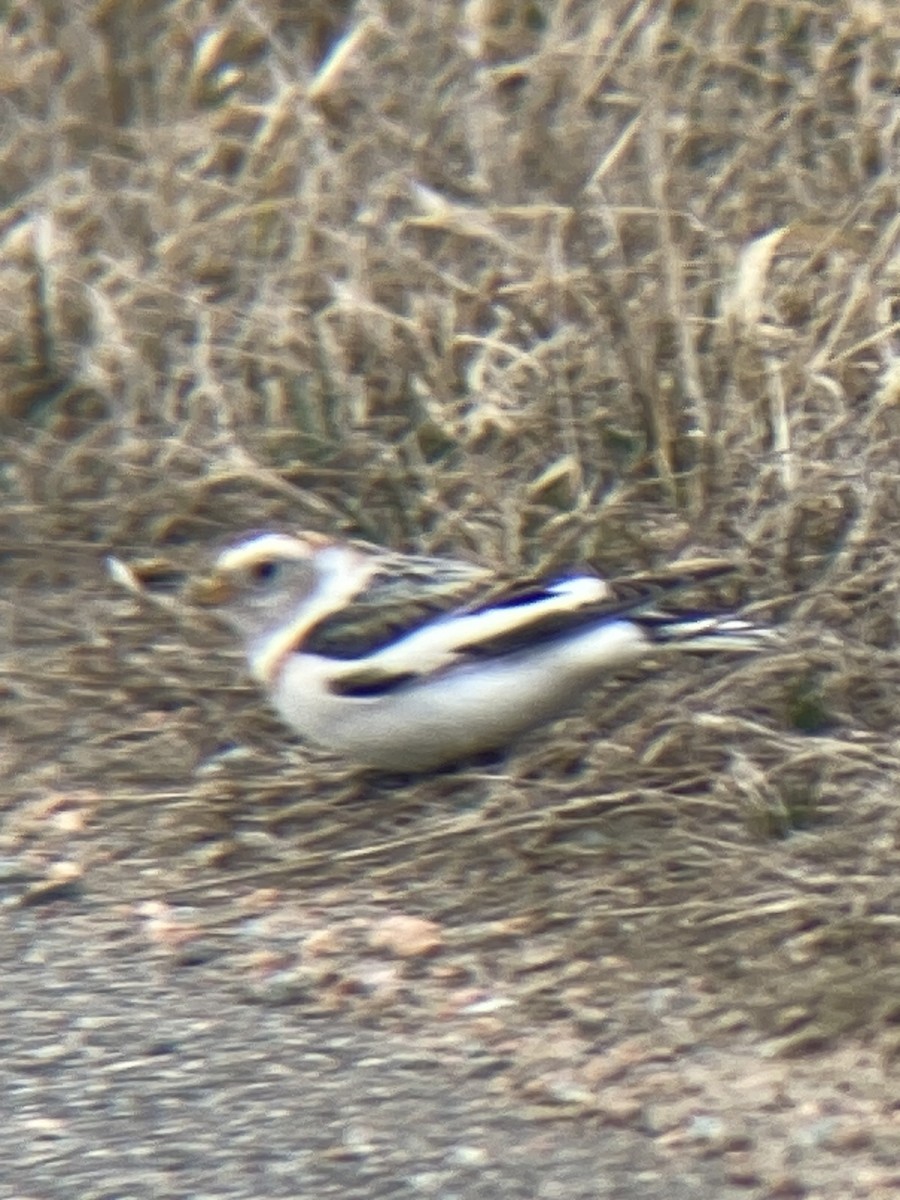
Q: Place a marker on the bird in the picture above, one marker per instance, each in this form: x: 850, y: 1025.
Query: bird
x: 410, y: 664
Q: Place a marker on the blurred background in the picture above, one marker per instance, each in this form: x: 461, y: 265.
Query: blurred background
x: 535, y: 282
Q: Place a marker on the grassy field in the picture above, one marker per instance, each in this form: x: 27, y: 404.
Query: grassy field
x: 538, y: 283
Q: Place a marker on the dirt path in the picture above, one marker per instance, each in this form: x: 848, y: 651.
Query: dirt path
x: 125, y: 1076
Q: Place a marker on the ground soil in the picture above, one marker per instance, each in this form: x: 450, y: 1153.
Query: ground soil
x: 453, y: 278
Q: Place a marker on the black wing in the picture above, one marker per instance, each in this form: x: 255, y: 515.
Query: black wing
x: 631, y: 596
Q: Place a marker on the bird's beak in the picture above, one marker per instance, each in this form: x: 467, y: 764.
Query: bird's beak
x: 209, y: 591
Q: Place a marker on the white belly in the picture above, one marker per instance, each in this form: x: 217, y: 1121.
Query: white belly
x: 463, y: 711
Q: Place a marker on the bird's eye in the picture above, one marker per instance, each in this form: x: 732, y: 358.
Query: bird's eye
x: 265, y: 571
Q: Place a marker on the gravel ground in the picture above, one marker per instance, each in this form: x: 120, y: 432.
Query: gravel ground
x: 126, y: 1077
x: 452, y: 278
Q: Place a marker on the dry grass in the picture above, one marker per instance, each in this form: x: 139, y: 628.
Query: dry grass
x: 534, y: 282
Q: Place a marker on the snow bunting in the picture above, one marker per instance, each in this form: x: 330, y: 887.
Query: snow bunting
x: 409, y: 663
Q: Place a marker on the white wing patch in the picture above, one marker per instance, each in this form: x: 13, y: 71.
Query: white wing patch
x: 439, y: 643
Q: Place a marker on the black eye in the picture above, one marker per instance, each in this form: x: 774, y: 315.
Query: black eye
x: 265, y: 571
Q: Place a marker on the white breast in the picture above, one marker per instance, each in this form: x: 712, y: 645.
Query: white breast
x: 459, y: 712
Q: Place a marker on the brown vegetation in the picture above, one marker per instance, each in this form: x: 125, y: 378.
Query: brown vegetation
x: 535, y: 282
